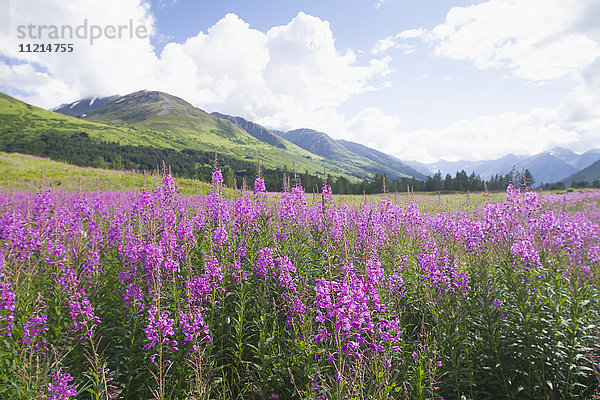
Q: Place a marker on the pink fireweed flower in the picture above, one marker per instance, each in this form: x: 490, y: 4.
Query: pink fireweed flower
x: 212, y: 270
x: 293, y: 204
x: 437, y: 268
x: 286, y: 271
x: 526, y: 254
x: 59, y: 388
x: 220, y: 236
x: 169, y: 187
x: 264, y: 262
x: 259, y: 185
x: 34, y: 328
x: 82, y: 312
x: 217, y: 179
x: 237, y: 273
x: 193, y: 327
x: 159, y: 328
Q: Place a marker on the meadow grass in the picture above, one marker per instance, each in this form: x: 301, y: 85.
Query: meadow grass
x: 21, y: 172
x: 141, y: 294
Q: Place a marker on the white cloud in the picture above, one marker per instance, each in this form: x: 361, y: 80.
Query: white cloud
x: 537, y: 40
x: 410, y: 34
x: 292, y: 75
x: 109, y: 66
x: 480, y: 138
x: 398, y: 41
x: 166, y: 3
x: 27, y: 79
x: 372, y: 127
x: 581, y: 109
x: 379, y: 3
x: 488, y: 137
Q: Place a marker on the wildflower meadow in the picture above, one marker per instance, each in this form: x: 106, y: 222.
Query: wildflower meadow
x: 155, y: 295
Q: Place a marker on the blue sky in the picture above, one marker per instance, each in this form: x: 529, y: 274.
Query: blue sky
x: 452, y: 90
x: 420, y: 80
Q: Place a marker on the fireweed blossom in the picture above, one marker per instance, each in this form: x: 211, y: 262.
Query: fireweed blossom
x: 259, y: 185
x: 264, y: 265
x: 59, y: 388
x: 293, y: 204
x: 525, y: 254
x: 33, y: 330
x: 339, y: 278
x: 193, y: 327
x: 438, y: 269
x: 159, y: 329
x: 80, y: 308
x: 217, y: 179
x: 347, y: 304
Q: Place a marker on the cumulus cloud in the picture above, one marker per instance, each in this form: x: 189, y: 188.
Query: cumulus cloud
x: 108, y: 66
x: 372, y: 127
x: 289, y: 76
x: 293, y: 75
x: 488, y: 137
x: 537, y: 40
x: 398, y: 41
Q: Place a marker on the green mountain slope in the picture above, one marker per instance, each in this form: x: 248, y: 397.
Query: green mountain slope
x: 318, y: 143
x: 381, y: 158
x: 152, y: 120
x: 321, y: 144
x: 254, y: 129
x: 184, y: 126
x: 589, y: 174
x: 24, y: 125
x: 146, y: 127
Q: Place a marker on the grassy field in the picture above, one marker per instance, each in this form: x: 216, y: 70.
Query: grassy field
x: 117, y: 285
x: 21, y: 172
x: 30, y: 173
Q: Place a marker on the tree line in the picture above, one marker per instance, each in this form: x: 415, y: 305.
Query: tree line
x: 79, y: 149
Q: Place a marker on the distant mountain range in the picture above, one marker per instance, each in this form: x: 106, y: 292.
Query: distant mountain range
x: 588, y: 174
x: 162, y: 121
x: 555, y: 165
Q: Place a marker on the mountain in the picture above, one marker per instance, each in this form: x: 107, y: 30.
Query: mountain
x: 381, y: 158
x: 25, y: 127
x: 419, y: 167
x: 146, y: 127
x: 171, y: 122
x: 144, y: 106
x: 321, y: 144
x: 170, y: 128
x: 546, y: 167
x: 586, y: 159
x: 589, y: 174
x: 82, y: 107
x: 259, y: 132
x: 161, y: 124
x: 317, y: 143
x: 485, y: 169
